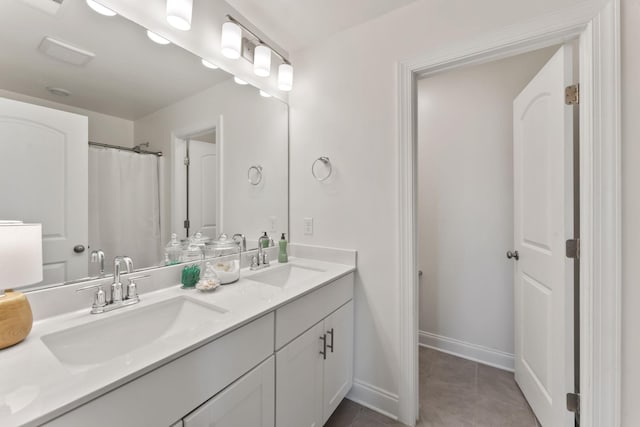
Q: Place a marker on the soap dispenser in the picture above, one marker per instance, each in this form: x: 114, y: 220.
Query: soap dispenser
x: 282, y: 255
x: 265, y: 241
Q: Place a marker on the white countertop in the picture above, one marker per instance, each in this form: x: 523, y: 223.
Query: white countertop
x: 36, y: 387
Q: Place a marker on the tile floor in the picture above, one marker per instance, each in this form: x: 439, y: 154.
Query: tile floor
x: 454, y: 392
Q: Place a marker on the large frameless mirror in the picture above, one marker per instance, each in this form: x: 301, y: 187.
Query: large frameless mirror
x: 114, y: 142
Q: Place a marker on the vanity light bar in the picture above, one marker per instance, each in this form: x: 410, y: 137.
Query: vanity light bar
x: 262, y: 42
x: 231, y: 46
x: 179, y: 13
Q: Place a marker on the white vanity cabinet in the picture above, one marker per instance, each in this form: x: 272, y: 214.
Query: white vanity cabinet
x: 250, y: 401
x: 338, y: 366
x: 314, y: 371
x: 299, y: 379
x: 289, y: 368
x: 168, y: 393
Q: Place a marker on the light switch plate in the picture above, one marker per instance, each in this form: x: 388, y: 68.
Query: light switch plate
x: 308, y: 226
x: 273, y: 224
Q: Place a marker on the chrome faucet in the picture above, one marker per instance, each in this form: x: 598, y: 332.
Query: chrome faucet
x: 118, y: 297
x: 242, y: 242
x: 260, y: 260
x: 117, y: 292
x: 98, y: 257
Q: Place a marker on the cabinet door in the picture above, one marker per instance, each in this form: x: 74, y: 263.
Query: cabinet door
x: 338, y: 368
x: 299, y: 368
x: 247, y: 402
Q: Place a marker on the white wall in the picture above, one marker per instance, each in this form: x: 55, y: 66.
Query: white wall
x: 255, y: 131
x: 102, y: 127
x: 344, y: 106
x: 465, y: 206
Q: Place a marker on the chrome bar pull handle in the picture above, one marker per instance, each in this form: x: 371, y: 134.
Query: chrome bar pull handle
x: 330, y: 346
x: 323, y: 338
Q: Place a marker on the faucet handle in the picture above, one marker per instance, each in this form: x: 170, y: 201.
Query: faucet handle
x: 132, y: 288
x: 99, y: 299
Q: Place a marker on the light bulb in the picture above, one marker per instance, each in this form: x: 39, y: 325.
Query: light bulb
x: 264, y: 94
x: 231, y: 41
x: 262, y: 61
x: 209, y: 64
x: 102, y: 10
x: 179, y: 14
x: 239, y: 81
x: 156, y: 38
x: 285, y: 77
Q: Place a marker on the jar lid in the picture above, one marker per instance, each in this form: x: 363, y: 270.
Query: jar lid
x: 225, y: 242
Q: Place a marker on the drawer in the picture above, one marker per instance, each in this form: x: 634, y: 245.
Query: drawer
x: 165, y: 395
x: 298, y: 316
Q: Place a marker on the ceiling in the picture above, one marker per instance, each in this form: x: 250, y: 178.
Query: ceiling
x: 130, y: 76
x: 294, y: 24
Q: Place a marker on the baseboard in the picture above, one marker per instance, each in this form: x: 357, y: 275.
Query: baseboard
x: 374, y: 398
x: 477, y: 353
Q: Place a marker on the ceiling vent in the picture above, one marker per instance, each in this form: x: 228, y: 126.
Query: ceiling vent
x: 49, y: 6
x: 65, y: 52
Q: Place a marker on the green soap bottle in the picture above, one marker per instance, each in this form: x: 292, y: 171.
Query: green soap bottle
x: 282, y: 255
x: 265, y: 242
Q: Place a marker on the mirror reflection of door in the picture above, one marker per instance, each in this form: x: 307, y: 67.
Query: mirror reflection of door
x: 34, y: 141
x: 203, y: 180
x: 196, y: 183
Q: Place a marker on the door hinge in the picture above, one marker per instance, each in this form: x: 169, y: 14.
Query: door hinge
x: 187, y: 223
x: 572, y: 94
x: 186, y: 161
x: 573, y: 403
x: 573, y: 248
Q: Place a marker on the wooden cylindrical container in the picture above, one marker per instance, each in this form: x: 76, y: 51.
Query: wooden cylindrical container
x: 16, y: 318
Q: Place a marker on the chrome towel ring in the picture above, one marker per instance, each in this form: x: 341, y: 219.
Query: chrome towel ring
x: 254, y: 174
x: 319, y: 174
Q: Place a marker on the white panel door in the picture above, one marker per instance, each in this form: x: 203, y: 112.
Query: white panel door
x: 250, y: 401
x: 338, y: 368
x: 203, y: 183
x: 43, y: 171
x: 299, y: 367
x: 543, y: 139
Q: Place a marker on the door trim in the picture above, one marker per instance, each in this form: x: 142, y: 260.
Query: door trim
x: 597, y: 26
x: 177, y: 210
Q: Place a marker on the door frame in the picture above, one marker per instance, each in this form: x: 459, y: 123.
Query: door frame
x: 596, y: 24
x: 178, y: 179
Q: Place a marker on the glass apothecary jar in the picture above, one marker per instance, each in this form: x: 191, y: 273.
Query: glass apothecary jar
x: 194, y: 248
x: 224, y: 255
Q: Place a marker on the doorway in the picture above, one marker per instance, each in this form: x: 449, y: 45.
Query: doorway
x: 466, y: 224
x: 196, y: 184
x: 597, y: 27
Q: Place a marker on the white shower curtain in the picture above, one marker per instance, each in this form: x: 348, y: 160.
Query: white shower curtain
x: 124, y: 206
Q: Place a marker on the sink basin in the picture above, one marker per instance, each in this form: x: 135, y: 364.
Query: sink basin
x: 123, y: 333
x: 285, y: 275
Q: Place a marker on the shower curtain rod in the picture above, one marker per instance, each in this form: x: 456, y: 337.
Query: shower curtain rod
x: 135, y: 149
